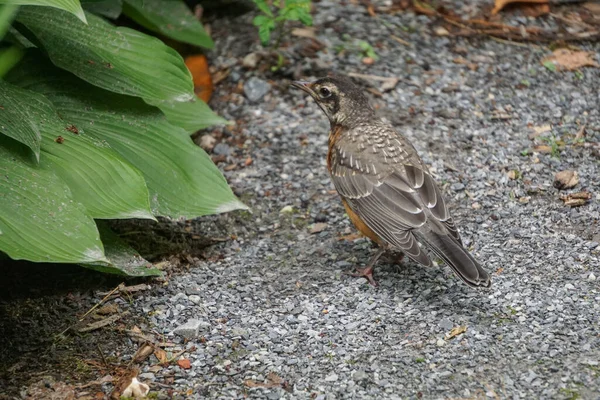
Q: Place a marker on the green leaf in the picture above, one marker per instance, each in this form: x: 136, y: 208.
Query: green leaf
x: 260, y: 20
x: 181, y: 177
x: 38, y: 218
x: 171, y: 18
x: 108, y: 8
x: 191, y: 115
x: 549, y: 65
x: 98, y: 177
x: 7, y: 13
x: 264, y: 7
x: 17, y: 119
x: 9, y: 57
x: 118, y: 59
x: 122, y: 258
x: 72, y: 6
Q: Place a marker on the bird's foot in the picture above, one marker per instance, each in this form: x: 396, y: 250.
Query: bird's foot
x: 366, y: 273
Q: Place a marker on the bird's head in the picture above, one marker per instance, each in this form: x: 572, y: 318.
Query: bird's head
x: 339, y: 98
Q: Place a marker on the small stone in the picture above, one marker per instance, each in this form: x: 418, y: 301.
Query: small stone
x: 446, y: 324
x: 591, y: 277
x: 148, y: 376
x: 331, y: 378
x: 360, y: 375
x: 222, y: 149
x: 189, y: 330
x: 287, y: 210
x: 250, y: 61
x: 255, y: 89
x: 207, y: 142
x: 457, y: 187
x: 440, y: 343
x: 194, y: 299
x: 569, y: 286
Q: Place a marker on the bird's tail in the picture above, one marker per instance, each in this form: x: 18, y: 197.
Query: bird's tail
x: 458, y: 258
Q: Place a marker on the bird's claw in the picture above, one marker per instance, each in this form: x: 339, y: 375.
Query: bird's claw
x: 365, y: 273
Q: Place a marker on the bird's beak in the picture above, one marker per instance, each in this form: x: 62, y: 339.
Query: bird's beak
x: 303, y: 85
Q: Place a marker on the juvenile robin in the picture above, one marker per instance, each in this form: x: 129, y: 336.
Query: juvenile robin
x: 387, y: 190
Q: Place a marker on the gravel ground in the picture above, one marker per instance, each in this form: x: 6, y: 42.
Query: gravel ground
x: 274, y: 315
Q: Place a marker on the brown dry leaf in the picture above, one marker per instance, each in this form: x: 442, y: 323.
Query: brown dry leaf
x: 307, y: 32
x: 500, y: 4
x: 512, y: 174
x: 273, y: 377
x: 143, y: 352
x: 351, y: 237
x: 318, y: 227
x: 108, y: 309
x: 542, y: 148
x: 184, y: 363
x: 457, y: 330
x: 542, y: 129
x: 570, y: 60
x: 576, y: 199
x: 566, y: 179
x: 593, y: 7
x: 49, y: 389
x: 161, y: 355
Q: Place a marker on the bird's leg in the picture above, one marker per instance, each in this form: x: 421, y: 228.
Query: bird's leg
x: 367, y: 272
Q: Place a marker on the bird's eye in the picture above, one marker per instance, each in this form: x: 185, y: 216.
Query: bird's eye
x: 324, y: 92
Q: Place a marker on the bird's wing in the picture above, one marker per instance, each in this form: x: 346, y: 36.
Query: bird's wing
x: 400, y: 202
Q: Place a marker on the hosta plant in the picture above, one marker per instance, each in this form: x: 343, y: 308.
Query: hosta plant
x: 94, y: 124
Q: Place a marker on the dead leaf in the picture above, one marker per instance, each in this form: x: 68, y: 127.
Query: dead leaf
x: 307, y: 32
x: 542, y: 148
x: 368, y: 60
x: 538, y: 130
x: 512, y: 174
x: 570, y: 60
x: 351, y: 237
x: 500, y: 4
x: 207, y: 142
x: 524, y: 199
x: 136, y: 389
x: 161, y: 355
x: 457, y: 330
x: 184, y: 363
x: 318, y: 227
x: 593, y: 7
x: 273, y: 377
x: 49, y: 389
x: 566, y: 179
x: 108, y: 309
x: 143, y: 352
x: 576, y: 199
x: 198, y: 66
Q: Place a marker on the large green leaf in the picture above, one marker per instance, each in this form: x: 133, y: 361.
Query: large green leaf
x: 181, y: 177
x: 7, y: 13
x: 172, y: 18
x: 38, y: 218
x: 72, y: 6
x: 123, y: 259
x: 108, y: 8
x: 98, y: 177
x: 191, y: 115
x: 118, y: 59
x: 17, y: 120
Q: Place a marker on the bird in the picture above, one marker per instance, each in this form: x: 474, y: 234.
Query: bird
x: 387, y: 190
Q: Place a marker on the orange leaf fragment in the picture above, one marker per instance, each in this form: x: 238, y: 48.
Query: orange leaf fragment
x: 198, y: 66
x: 500, y: 4
x: 184, y: 363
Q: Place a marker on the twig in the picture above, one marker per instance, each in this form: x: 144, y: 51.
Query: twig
x: 102, y: 323
x: 101, y: 301
x: 102, y: 355
x: 513, y: 43
x: 401, y: 41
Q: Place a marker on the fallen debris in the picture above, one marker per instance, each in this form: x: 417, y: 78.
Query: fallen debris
x: 457, y: 330
x: 566, y: 179
x: 570, y: 60
x: 576, y: 199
